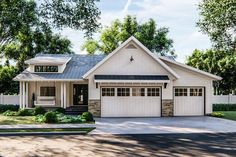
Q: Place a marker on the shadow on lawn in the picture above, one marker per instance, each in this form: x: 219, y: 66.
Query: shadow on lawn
x: 221, y: 144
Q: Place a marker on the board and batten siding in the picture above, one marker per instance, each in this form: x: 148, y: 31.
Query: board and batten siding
x: 119, y: 64
x: 192, y: 79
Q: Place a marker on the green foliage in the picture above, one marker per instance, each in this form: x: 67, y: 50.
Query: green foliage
x: 39, y: 110
x: 4, y: 108
x: 217, y: 20
x: 217, y: 114
x: 76, y: 14
x: 87, y: 116
x: 69, y: 119
x: 154, y: 39
x: 25, y: 112
x: 60, y: 110
x: 50, y: 117
x: 10, y: 113
x: 224, y: 107
x: 219, y: 63
x: 7, y: 86
x: 39, y: 118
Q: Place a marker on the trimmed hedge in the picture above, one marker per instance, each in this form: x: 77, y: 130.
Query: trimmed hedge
x: 26, y: 112
x: 224, y: 107
x: 39, y: 110
x: 4, y: 108
x: 87, y: 116
x: 217, y: 114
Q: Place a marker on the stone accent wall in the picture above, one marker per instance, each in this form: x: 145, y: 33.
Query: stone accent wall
x: 94, y: 106
x: 167, y: 108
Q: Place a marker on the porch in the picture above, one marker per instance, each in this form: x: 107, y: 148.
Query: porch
x: 72, y: 96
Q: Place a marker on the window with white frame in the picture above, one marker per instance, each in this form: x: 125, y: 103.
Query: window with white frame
x: 123, y: 91
x: 195, y: 91
x: 153, y: 91
x: 138, y: 91
x: 108, y: 91
x: 43, y: 68
x: 181, y: 92
x: 47, y: 91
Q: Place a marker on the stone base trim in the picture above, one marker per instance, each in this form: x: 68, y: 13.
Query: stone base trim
x: 94, y: 106
x: 167, y: 108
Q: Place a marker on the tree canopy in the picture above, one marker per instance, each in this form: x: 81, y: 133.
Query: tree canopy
x: 218, y: 63
x: 155, y: 39
x: 218, y: 21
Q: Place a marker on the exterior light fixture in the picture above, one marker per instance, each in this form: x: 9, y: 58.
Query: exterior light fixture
x: 131, y: 59
x: 165, y: 85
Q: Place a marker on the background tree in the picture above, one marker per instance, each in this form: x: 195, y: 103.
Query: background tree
x: 218, y: 21
x: 218, y: 63
x: 154, y: 39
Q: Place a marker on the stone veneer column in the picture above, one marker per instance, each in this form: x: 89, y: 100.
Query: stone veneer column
x: 94, y: 106
x: 167, y: 108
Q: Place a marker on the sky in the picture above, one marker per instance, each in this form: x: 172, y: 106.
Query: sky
x: 180, y: 16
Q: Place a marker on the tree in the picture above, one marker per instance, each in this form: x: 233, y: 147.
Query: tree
x: 218, y: 63
x: 154, y: 39
x: 218, y: 21
x: 7, y: 86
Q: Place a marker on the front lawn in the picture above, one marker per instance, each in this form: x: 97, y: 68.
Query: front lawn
x: 11, y: 120
x: 228, y: 114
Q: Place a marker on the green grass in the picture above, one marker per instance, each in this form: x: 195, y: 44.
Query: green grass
x: 229, y: 115
x: 16, y: 130
x: 11, y: 120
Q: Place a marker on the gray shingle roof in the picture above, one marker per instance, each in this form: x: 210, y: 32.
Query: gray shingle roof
x: 75, y: 68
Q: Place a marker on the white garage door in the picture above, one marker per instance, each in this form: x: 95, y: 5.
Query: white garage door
x: 188, y: 101
x: 130, y: 102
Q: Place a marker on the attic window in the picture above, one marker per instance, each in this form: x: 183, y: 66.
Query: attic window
x: 39, y: 68
x: 131, y: 46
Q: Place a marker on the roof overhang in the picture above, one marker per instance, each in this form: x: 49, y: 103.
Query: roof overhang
x: 41, y: 60
x: 131, y: 79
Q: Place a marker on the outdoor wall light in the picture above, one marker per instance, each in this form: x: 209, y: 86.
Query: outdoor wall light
x: 165, y: 85
x: 131, y: 59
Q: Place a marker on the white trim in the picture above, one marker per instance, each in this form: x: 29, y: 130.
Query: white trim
x: 132, y: 81
x: 27, y: 94
x: 120, y: 47
x: 20, y: 94
x: 62, y: 97
x: 23, y: 103
x: 192, y: 69
x: 64, y: 88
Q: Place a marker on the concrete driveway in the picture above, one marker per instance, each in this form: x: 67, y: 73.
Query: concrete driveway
x: 163, y: 125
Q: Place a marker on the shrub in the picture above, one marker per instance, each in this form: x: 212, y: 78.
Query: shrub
x: 60, y: 110
x: 39, y: 118
x: 26, y: 112
x: 217, y: 114
x: 87, y: 116
x: 39, y: 110
x: 68, y: 119
x: 4, y: 108
x: 50, y: 117
x: 10, y: 113
x: 224, y: 107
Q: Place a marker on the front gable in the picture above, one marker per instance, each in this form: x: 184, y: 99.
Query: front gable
x: 131, y: 59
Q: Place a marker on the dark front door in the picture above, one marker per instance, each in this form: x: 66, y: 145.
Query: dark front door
x: 80, y: 95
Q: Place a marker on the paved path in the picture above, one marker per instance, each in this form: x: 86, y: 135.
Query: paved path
x: 163, y: 125
x: 147, y: 145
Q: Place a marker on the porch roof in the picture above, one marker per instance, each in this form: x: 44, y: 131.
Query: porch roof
x: 75, y: 69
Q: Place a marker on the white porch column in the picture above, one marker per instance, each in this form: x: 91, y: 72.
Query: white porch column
x: 65, y: 95
x: 23, y: 87
x: 20, y: 94
x: 27, y: 94
x: 62, y: 90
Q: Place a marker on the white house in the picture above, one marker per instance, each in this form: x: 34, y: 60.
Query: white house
x: 129, y: 82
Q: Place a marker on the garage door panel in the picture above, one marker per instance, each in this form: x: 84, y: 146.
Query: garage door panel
x: 190, y: 105
x: 130, y: 106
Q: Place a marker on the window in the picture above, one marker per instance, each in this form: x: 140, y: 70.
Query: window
x: 123, y: 92
x: 138, y: 91
x: 108, y: 91
x: 47, y: 91
x: 195, y: 91
x: 42, y: 68
x: 181, y: 92
x: 153, y: 92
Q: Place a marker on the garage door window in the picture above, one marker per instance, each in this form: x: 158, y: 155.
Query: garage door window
x: 138, y: 91
x: 181, y: 92
x: 123, y: 92
x: 108, y: 91
x: 153, y: 92
x: 195, y: 91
